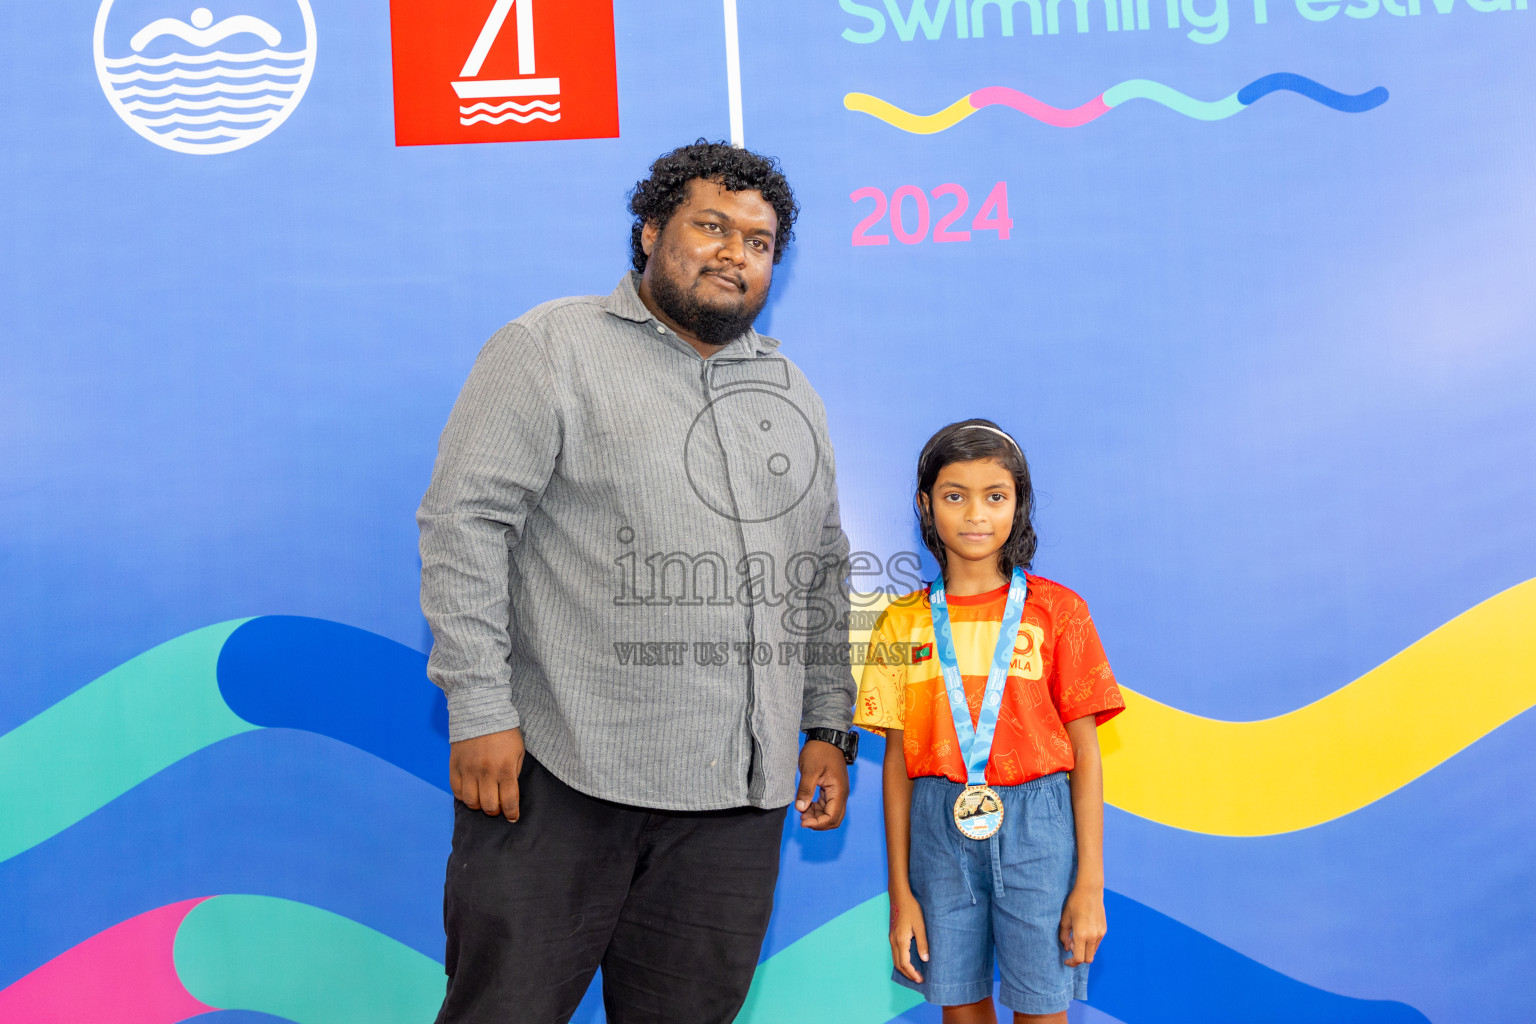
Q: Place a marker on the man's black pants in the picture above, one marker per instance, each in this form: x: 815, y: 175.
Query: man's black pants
x: 673, y: 906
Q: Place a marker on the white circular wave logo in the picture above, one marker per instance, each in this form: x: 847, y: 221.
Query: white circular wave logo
x: 197, y: 82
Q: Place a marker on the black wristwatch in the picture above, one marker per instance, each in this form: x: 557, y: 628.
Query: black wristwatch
x: 847, y: 742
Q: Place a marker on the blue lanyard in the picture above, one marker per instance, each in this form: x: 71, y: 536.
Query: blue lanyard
x: 976, y: 741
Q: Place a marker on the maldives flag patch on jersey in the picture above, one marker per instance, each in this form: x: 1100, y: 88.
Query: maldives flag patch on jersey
x: 921, y: 654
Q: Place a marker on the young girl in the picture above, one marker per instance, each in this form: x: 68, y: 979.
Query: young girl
x: 989, y: 686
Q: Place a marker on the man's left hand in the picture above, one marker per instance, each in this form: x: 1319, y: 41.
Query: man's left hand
x: 822, y: 766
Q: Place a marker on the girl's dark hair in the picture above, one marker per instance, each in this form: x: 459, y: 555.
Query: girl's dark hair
x: 968, y: 441
x: 657, y: 198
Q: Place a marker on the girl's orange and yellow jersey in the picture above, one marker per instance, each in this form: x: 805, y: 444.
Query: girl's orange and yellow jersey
x: 1059, y: 673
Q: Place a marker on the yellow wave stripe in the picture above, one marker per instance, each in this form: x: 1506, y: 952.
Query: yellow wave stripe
x: 1336, y: 755
x: 920, y: 124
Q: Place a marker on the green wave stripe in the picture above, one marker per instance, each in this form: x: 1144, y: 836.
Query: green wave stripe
x: 112, y: 734
x: 839, y: 972
x: 1157, y: 92
x: 310, y: 966
x: 304, y: 964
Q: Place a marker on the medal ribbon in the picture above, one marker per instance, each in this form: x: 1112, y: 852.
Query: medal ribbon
x: 976, y: 741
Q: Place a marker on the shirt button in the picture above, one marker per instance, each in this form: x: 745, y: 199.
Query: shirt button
x: 661, y: 329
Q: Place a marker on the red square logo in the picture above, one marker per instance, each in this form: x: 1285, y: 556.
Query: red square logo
x: 503, y: 71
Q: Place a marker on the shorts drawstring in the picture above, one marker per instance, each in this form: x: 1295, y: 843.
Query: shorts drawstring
x: 956, y: 842
x: 995, y: 859
x: 995, y: 848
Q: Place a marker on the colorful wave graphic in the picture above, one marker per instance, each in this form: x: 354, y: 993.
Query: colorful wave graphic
x: 301, y: 963
x: 124, y: 974
x: 281, y: 812
x: 315, y: 682
x: 234, y: 952
x: 204, y: 687
x: 1150, y: 970
x: 1293, y: 771
x: 1135, y: 89
x: 1339, y: 753
x: 1336, y: 755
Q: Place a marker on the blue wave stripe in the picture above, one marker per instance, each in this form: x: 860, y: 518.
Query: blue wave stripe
x: 1154, y: 970
x: 1285, y: 80
x: 373, y: 693
x: 1473, y: 809
x: 349, y: 684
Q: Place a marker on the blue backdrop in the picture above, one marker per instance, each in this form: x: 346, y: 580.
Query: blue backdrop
x: 1269, y: 343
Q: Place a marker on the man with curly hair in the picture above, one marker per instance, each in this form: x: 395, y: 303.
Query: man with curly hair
x: 635, y: 573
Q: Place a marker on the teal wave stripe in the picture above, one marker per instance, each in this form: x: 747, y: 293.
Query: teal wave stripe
x: 1151, y: 970
x: 839, y: 972
x: 111, y: 735
x: 303, y: 964
x: 1157, y: 92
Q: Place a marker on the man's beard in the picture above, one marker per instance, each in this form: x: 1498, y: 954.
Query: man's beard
x: 711, y: 324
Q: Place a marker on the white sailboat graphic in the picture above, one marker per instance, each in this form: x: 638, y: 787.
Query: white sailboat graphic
x: 507, y: 90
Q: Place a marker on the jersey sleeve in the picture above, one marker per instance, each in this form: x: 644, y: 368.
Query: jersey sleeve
x: 1081, y: 681
x: 881, y: 703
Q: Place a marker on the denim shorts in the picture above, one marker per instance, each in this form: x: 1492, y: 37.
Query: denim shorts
x: 1006, y: 893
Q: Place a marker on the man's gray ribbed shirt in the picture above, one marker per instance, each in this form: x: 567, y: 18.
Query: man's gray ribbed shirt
x: 635, y: 555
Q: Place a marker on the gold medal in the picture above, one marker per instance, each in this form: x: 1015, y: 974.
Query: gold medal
x: 978, y: 812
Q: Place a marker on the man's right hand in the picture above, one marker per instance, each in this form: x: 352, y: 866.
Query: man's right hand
x: 483, y: 772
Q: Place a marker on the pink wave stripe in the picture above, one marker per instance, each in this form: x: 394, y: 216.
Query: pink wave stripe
x: 125, y: 975
x: 994, y: 95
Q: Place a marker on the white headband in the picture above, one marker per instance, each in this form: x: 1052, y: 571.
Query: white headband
x: 999, y: 433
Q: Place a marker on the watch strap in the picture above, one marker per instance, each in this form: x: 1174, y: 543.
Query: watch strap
x: 847, y: 742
